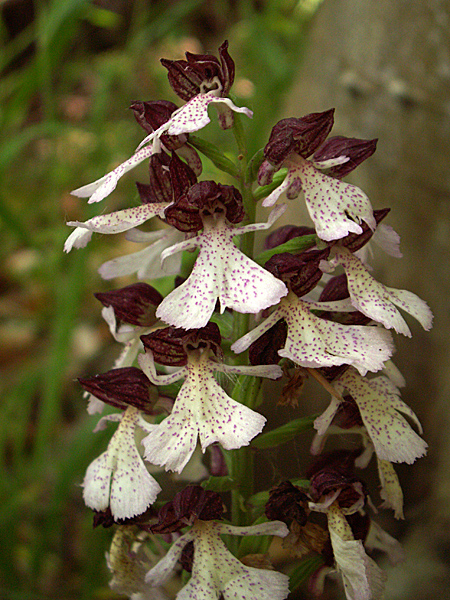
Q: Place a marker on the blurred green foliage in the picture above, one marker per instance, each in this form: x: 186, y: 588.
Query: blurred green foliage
x: 69, y: 69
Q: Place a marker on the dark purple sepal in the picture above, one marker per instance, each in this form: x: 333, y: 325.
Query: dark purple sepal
x: 197, y: 74
x: 160, y: 187
x: 135, y: 304
x: 285, y: 233
x: 123, y: 387
x: 105, y: 518
x: 332, y: 373
x: 335, y: 289
x: 182, y: 177
x: 335, y: 471
x: 190, y: 504
x: 187, y: 557
x: 359, y: 524
x: 300, y: 272
x: 286, y: 503
x: 170, y: 346
x: 201, y: 201
x: 355, y: 149
x: 348, y: 414
x: 300, y: 136
x: 355, y: 241
x: 217, y: 464
x: 264, y: 350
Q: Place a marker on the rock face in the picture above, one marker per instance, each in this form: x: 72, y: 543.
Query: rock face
x: 385, y: 67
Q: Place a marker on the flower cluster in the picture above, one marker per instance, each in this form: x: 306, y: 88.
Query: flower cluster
x: 297, y: 318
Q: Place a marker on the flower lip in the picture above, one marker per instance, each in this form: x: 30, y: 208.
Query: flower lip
x: 190, y: 504
x: 171, y: 345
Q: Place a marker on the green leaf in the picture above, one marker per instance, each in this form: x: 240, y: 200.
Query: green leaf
x: 220, y: 484
x: 215, y: 155
x: 283, y: 434
x: 297, y: 244
x: 304, y: 570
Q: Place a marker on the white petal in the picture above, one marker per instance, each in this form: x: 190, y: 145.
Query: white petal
x: 146, y: 263
x: 379, y: 539
x: 222, y: 272
x: 270, y: 528
x: 322, y: 423
x: 245, y: 341
x: 391, y: 491
x: 201, y: 409
x: 79, y: 238
x: 335, y: 207
x: 216, y: 571
x: 163, y: 569
x: 377, y: 301
x: 363, y: 579
x: 122, y: 220
x: 315, y: 342
x: 119, y: 478
x: 276, y: 193
x: 388, y: 240
x: 392, y: 436
x: 105, y: 185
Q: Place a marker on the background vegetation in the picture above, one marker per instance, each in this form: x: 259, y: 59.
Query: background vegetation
x: 69, y: 69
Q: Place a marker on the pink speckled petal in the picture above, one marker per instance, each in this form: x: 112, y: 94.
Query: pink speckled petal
x: 362, y: 578
x: 314, y: 342
x: 392, y: 436
x: 216, y: 572
x: 202, y: 409
x: 163, y: 569
x: 122, y: 220
x: 222, y: 272
x: 118, y: 478
x: 105, y: 185
x: 377, y: 301
x: 391, y: 491
x: 335, y: 207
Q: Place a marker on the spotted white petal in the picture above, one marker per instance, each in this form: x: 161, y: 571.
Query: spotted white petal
x: 378, y: 539
x: 202, y: 410
x: 379, y: 302
x: 105, y: 185
x: 391, y: 491
x: 392, y: 436
x: 362, y: 578
x: 222, y: 272
x: 315, y: 342
x: 162, y: 571
x: 115, y: 222
x: 118, y: 478
x: 335, y: 207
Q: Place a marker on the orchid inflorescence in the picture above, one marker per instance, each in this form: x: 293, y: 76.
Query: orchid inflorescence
x: 180, y: 387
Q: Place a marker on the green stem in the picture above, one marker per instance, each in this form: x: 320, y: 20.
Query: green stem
x: 241, y: 461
